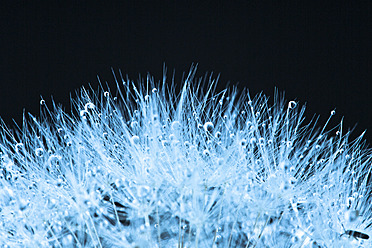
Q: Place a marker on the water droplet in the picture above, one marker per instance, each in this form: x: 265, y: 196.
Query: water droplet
x: 135, y: 139
x: 106, y: 94
x: 243, y: 142
x: 154, y: 90
x: 218, y: 135
x: 39, y: 152
x: 176, y: 125
x: 67, y: 240
x: 333, y: 112
x: 22, y: 204
x: 134, y: 125
x: 19, y: 147
x: 89, y: 106
x: 165, y: 143
x: 59, y: 182
x: 42, y: 102
x: 206, y: 153
x: 208, y: 126
x: 105, y: 135
x: 54, y: 160
x: 352, y: 215
x: 292, y: 104
x: 83, y: 113
x: 143, y: 190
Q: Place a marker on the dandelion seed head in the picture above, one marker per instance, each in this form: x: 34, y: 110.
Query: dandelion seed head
x: 145, y: 168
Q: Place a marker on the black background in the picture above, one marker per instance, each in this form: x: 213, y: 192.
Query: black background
x: 319, y: 54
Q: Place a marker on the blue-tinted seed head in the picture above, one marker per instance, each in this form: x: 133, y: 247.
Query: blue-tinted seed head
x: 199, y: 169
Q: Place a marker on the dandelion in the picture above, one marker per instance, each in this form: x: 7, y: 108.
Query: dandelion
x: 150, y: 168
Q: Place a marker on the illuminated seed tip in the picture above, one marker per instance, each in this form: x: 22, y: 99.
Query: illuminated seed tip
x: 208, y: 127
x: 292, y: 104
x: 333, y: 112
x: 42, y: 102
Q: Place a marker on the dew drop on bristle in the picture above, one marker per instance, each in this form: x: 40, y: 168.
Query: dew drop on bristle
x: 19, y: 147
x: 106, y: 94
x: 289, y: 144
x: 206, y: 153
x: 218, y: 134
x: 135, y: 140
x: 134, y: 125
x: 208, y: 127
x: 39, y: 152
x: 176, y: 125
x: 333, y: 112
x: 89, y: 106
x: 83, y: 113
x: 105, y: 135
x: 292, y: 104
x: 42, y: 102
x: 143, y: 190
x: 352, y: 215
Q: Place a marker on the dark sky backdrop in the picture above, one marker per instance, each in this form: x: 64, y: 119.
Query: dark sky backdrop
x: 317, y: 53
